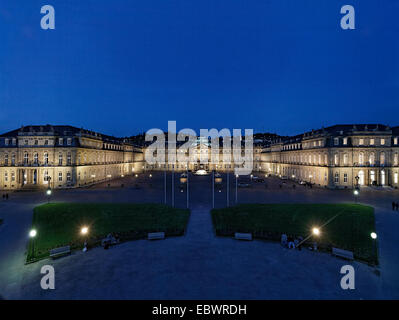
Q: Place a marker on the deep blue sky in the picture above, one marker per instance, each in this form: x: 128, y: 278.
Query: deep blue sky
x: 121, y: 67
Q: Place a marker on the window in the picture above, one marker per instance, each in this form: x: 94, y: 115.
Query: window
x: 382, y: 158
x: 13, y: 176
x: 382, y: 141
x: 336, y: 159
x: 45, y: 142
x: 371, y: 142
x: 14, y: 141
x: 361, y: 158
x: 60, y: 159
x: 45, y: 159
x: 336, y: 177
x: 345, y: 177
x: 69, y: 141
x: 69, y: 178
x: 69, y: 160
x: 6, y: 160
x: 36, y: 158
x: 60, y: 141
x: 36, y: 142
x: 395, y: 178
x: 395, y: 140
x: 26, y: 158
x: 59, y: 176
x: 395, y: 159
x: 336, y: 141
x: 5, y: 176
x: 345, y: 159
x: 372, y: 158
x: 345, y: 141
x: 13, y: 159
x: 361, y: 141
x: 45, y: 176
x: 6, y: 141
x: 26, y: 142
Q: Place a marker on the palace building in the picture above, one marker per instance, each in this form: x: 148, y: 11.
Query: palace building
x: 341, y: 156
x: 63, y: 156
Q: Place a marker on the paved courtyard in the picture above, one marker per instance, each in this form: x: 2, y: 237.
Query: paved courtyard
x: 198, y: 265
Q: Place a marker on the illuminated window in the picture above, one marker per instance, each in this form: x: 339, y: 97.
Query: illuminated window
x: 382, y: 141
x: 361, y: 141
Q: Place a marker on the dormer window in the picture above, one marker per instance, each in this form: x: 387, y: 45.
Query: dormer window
x: 382, y: 141
x: 395, y: 140
x: 371, y: 142
x: 345, y: 141
x: 60, y: 141
x: 6, y: 141
x: 336, y: 141
x: 361, y: 141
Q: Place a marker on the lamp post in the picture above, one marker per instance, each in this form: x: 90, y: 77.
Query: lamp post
x: 373, y: 236
x: 32, y: 235
x: 213, y: 188
x: 356, y: 194
x: 48, y: 193
x: 84, y: 232
x: 228, y: 188
x: 187, y: 186
x: 236, y: 189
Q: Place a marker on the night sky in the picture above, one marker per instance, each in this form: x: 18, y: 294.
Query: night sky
x: 123, y: 67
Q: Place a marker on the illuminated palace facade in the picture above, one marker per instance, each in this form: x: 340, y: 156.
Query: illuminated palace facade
x: 341, y: 156
x: 63, y: 156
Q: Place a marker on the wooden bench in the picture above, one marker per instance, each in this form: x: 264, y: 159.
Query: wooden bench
x: 156, y: 235
x: 243, y: 236
x: 342, y: 253
x: 58, y: 252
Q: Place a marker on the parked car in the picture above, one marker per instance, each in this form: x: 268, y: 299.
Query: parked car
x: 302, y: 182
x: 284, y: 178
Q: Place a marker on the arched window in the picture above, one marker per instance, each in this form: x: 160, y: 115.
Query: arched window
x: 361, y: 158
x: 372, y: 158
x: 382, y: 158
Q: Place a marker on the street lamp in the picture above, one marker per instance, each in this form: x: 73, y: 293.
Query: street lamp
x: 316, y: 231
x: 32, y: 235
x: 356, y: 194
x: 48, y: 193
x: 373, y: 236
x: 84, y: 231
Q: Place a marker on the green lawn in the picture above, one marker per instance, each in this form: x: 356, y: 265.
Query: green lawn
x: 350, y: 230
x: 59, y: 224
